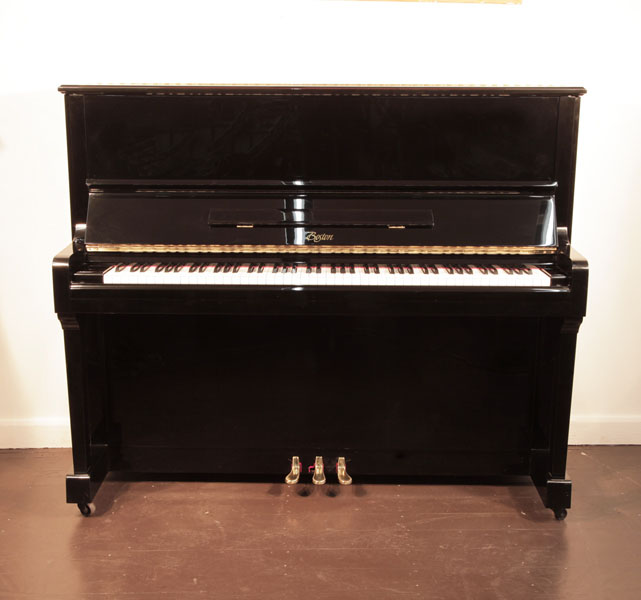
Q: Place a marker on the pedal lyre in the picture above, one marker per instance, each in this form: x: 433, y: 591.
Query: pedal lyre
x: 341, y: 471
x: 319, y: 471
x: 294, y: 475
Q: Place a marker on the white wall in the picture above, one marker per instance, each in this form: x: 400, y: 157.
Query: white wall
x: 542, y: 42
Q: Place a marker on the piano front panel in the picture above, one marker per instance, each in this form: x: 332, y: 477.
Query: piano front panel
x: 397, y: 396
x: 271, y: 136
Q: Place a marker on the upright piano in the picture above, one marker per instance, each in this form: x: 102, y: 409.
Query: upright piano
x: 321, y: 282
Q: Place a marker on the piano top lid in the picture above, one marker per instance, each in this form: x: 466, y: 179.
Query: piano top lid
x: 389, y: 137
x: 422, y: 89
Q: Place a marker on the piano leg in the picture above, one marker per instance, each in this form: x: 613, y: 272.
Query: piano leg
x: 90, y: 463
x: 548, y: 463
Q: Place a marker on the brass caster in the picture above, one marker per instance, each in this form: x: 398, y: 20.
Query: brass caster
x: 341, y: 471
x: 294, y: 475
x: 319, y: 471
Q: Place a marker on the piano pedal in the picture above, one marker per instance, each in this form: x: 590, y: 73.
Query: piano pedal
x: 341, y: 472
x: 319, y: 471
x: 294, y: 475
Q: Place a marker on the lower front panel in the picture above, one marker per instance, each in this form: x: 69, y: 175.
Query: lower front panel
x: 396, y: 396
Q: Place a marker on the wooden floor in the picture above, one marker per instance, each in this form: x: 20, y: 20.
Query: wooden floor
x: 166, y: 540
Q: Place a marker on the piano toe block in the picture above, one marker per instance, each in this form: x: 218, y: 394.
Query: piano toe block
x: 558, y: 496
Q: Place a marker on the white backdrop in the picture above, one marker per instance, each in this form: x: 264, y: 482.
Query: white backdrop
x: 542, y: 42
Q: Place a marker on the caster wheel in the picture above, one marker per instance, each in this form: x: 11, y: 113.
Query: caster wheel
x: 560, y: 514
x: 85, y: 509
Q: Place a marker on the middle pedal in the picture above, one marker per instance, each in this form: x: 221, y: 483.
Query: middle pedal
x: 319, y: 471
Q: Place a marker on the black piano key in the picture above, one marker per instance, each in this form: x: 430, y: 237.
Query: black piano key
x: 218, y: 267
x: 482, y: 269
x: 449, y: 269
x: 506, y: 269
x: 526, y: 269
x: 342, y: 269
x: 120, y: 267
x: 366, y: 268
x: 458, y: 269
x: 376, y: 269
x: 145, y: 267
x: 285, y: 268
x: 308, y: 269
x: 434, y: 269
x: 319, y: 269
x: 492, y: 269
x: 517, y: 269
x: 251, y: 268
x: 275, y: 269
x: 236, y: 268
x: 425, y: 269
x: 294, y: 268
x: 261, y: 268
x: 159, y: 267
x: 227, y: 267
x: 390, y: 268
x: 399, y: 269
x: 135, y: 267
x: 203, y: 267
x: 178, y: 268
x: 333, y: 268
x: 409, y: 269
x: 352, y: 269
x: 169, y: 268
x: 467, y: 269
x: 193, y: 267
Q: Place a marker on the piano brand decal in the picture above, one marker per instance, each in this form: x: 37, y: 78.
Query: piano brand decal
x: 312, y: 236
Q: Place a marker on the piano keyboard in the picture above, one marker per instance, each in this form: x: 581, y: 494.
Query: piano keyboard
x: 454, y: 275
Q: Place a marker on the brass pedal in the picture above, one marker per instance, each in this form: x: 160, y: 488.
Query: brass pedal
x: 319, y: 471
x: 341, y: 471
x: 294, y: 475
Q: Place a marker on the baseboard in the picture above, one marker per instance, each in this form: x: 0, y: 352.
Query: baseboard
x: 605, y: 429
x: 54, y: 432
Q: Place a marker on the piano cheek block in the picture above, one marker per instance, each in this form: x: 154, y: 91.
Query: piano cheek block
x: 239, y: 301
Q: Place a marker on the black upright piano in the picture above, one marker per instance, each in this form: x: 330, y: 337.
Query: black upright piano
x: 321, y: 283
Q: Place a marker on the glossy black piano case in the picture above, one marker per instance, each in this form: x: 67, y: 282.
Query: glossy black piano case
x: 406, y: 383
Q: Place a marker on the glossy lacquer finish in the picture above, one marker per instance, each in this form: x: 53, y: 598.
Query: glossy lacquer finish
x: 395, y: 395
x: 318, y: 218
x: 301, y: 137
x: 403, y: 382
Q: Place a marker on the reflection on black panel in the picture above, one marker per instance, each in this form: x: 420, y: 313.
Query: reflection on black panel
x: 333, y: 137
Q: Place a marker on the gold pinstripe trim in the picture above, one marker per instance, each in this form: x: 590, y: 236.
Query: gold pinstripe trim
x: 326, y: 249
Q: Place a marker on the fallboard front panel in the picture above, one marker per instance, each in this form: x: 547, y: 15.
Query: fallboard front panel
x: 314, y: 222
